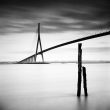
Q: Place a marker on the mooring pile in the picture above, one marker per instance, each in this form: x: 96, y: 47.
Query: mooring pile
x: 81, y: 73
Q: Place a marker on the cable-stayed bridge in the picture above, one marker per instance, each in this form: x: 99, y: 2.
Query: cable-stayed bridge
x: 33, y: 58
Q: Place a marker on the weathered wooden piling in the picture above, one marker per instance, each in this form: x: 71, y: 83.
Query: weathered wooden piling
x: 79, y: 69
x: 84, y: 81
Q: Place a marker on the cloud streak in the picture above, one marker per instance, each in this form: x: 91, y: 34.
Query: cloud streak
x: 19, y: 16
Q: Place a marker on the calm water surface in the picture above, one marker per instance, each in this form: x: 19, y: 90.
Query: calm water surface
x: 53, y: 87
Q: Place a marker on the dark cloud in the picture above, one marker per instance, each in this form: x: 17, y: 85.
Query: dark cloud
x: 54, y: 15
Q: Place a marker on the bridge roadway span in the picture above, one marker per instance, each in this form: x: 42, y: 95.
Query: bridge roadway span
x: 69, y: 42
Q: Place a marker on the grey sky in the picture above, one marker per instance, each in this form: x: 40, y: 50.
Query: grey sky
x: 61, y: 21
x: 54, y: 15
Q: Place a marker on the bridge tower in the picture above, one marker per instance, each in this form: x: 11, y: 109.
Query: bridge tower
x: 39, y: 44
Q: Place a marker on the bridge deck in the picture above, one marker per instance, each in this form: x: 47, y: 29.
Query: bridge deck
x: 30, y: 58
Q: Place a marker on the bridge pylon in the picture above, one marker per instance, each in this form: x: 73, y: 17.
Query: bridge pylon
x: 39, y: 44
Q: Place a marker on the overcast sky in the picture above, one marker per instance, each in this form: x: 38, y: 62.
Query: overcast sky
x: 55, y: 15
x: 19, y: 18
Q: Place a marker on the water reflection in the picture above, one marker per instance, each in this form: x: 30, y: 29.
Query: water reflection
x: 82, y: 103
x: 2, y: 106
x: 38, y: 87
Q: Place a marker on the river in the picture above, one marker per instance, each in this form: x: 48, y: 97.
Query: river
x: 53, y: 87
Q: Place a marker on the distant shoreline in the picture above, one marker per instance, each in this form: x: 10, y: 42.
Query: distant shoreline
x: 62, y: 62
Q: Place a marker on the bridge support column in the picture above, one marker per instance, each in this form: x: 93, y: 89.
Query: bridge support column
x: 39, y: 44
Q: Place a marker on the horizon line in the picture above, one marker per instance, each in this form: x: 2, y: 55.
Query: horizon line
x: 45, y: 62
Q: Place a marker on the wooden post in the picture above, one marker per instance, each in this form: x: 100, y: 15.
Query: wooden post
x: 79, y: 69
x: 84, y: 81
